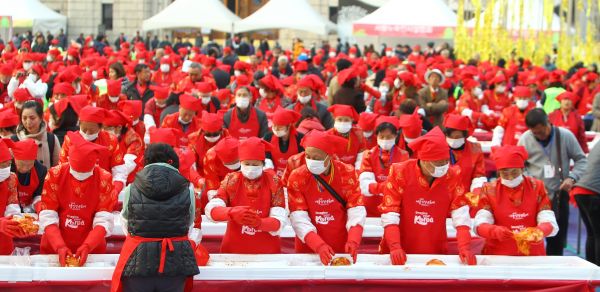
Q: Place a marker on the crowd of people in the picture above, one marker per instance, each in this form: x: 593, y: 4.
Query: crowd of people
x: 319, y: 138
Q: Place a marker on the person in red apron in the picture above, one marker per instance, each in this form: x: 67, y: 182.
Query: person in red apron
x: 154, y: 107
x: 9, y: 202
x: 251, y: 201
x: 511, y: 204
x: 133, y: 110
x: 511, y: 124
x: 496, y: 98
x: 307, y: 92
x: 412, y: 128
x: 285, y: 140
x: 30, y: 174
x: 187, y: 119
x: 382, y: 103
x: 344, y: 116
x: 243, y: 120
x: 90, y: 128
x: 130, y: 143
x: 9, y: 120
x: 366, y: 122
x: 113, y: 95
x: 567, y: 117
x: 77, y: 204
x: 419, y: 195
x: 271, y: 95
x: 327, y: 208
x: 210, y: 133
x: 209, y: 103
x: 165, y: 75
x: 466, y: 154
x: 219, y: 161
x: 377, y: 161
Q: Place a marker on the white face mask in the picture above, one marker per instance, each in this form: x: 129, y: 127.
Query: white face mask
x: 70, y: 58
x: 212, y: 139
x: 165, y: 68
x: 389, y: 54
x: 449, y: 74
x: 237, y: 73
x: 386, y: 144
x: 113, y: 99
x: 88, y: 137
x: 234, y: 166
x: 368, y: 134
x: 476, y: 78
x: 27, y: 66
x: 408, y: 140
x: 95, y: 74
x: 77, y: 87
x: 397, y: 83
x: 32, y: 77
x: 513, y: 183
x: 80, y: 176
x: 477, y: 92
x: 184, y: 122
x: 500, y: 88
x: 315, y: 166
x: 205, y: 99
x: 280, y: 133
x: 384, y: 90
x: 352, y: 56
x: 342, y: 127
x: 4, y: 173
x: 455, y: 143
x: 262, y: 92
x: 242, y: 102
x: 49, y: 58
x: 440, y: 171
x: 251, y: 172
x: 159, y: 105
x: 522, y: 103
x: 142, y: 61
x: 331, y: 54
x: 304, y: 99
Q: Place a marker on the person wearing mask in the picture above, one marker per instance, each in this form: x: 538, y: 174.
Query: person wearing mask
x: 550, y: 151
x: 511, y: 125
x: 164, y: 75
x: 244, y: 120
x: 30, y: 174
x: 411, y: 128
x: 140, y: 89
x: 159, y: 194
x: 28, y: 77
x: 326, y: 207
x: 419, y: 195
x: 434, y: 99
x: 77, y: 204
x: 345, y: 116
x: 90, y: 129
x: 271, y: 95
x: 210, y: 103
x: 195, y: 74
x: 569, y: 118
x: 307, y: 95
x: 377, y: 161
x: 251, y: 201
x: 284, y: 140
x: 130, y: 143
x: 219, y: 161
x: 210, y: 133
x: 496, y: 97
x: 512, y: 204
x: 33, y: 126
x: 154, y: 108
x: 186, y: 119
x: 9, y: 202
x: 113, y: 95
x: 366, y: 122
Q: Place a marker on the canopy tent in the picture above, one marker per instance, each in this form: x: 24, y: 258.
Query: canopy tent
x: 34, y: 15
x: 431, y: 19
x: 207, y: 14
x: 290, y: 14
x: 533, y: 17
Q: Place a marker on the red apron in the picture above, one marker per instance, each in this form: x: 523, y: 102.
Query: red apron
x: 327, y: 215
x: 269, y: 106
x: 298, y: 106
x: 6, y: 243
x: 516, y: 218
x: 498, y: 102
x: 104, y: 161
x: 423, y: 216
x: 380, y: 164
x: 515, y: 128
x: 383, y: 110
x: 280, y: 159
x: 25, y: 193
x: 243, y: 131
x: 572, y: 123
x: 350, y: 152
x: 245, y: 239
x: 464, y: 159
x: 78, y: 202
x: 129, y: 246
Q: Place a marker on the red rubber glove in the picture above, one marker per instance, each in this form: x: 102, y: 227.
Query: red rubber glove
x: 243, y: 215
x: 52, y: 233
x: 391, y: 234
x: 490, y: 231
x: 93, y: 240
x: 118, y: 186
x: 314, y: 241
x: 546, y: 228
x: 354, y: 238
x: 269, y: 224
x: 463, y: 239
x: 10, y: 228
x: 63, y: 252
x: 374, y: 189
x: 201, y: 255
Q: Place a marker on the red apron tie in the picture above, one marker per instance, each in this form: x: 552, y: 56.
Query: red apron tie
x: 163, y: 253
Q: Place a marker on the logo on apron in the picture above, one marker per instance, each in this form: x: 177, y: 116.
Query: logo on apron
x: 323, y: 218
x: 324, y: 202
x: 425, y: 203
x: 248, y: 230
x: 77, y: 207
x: 422, y: 218
x: 73, y: 222
x: 518, y: 216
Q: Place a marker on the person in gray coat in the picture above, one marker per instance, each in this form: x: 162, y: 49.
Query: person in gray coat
x: 550, y: 150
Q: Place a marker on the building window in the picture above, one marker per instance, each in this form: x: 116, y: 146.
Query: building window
x: 107, y: 16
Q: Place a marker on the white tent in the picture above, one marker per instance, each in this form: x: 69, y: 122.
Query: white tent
x: 408, y: 19
x: 33, y: 14
x: 290, y: 14
x: 206, y: 14
x: 533, y: 16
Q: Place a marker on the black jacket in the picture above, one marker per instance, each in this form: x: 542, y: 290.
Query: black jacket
x: 132, y: 93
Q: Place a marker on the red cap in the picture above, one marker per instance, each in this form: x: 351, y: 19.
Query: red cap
x: 272, y: 83
x: 211, y: 123
x: 555, y: 76
x: 23, y: 150
x: 205, y: 87
x: 253, y: 148
x: 309, y: 81
x: 408, y: 79
x: 285, y: 117
x: 431, y: 146
x: 9, y: 118
x: 387, y: 119
x: 509, y: 156
x: 6, y: 69
x: 346, y: 75
x: 131, y: 108
x: 521, y: 91
x: 568, y: 95
x: 92, y: 114
x: 227, y: 149
x: 366, y: 121
x: 168, y: 136
x: 160, y: 92
x: 83, y: 154
x: 240, y: 65
x: 63, y: 88
x: 329, y: 143
x: 22, y: 95
x: 469, y: 84
x: 458, y: 122
x: 78, y: 102
x: 116, y: 118
x: 411, y: 125
x: 4, y: 153
x: 189, y: 102
x: 300, y: 66
x: 113, y: 87
x: 343, y: 110
x: 498, y: 79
